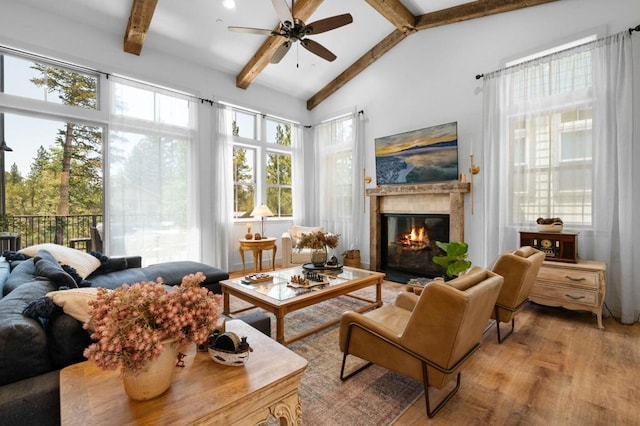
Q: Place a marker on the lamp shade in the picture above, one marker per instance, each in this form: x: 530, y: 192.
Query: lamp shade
x: 261, y: 211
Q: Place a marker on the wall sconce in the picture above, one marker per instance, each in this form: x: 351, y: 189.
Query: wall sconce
x: 474, y: 169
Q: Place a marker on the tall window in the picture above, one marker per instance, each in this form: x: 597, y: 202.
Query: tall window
x: 151, y: 203
x: 51, y: 185
x: 550, y: 130
x: 261, y: 163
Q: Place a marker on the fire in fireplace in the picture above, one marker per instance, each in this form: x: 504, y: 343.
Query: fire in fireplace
x: 409, y: 243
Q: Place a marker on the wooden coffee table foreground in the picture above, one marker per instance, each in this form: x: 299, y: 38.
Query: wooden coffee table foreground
x: 279, y: 299
x: 203, y: 392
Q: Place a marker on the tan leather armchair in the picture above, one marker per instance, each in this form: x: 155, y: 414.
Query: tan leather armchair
x: 519, y: 269
x: 427, y: 337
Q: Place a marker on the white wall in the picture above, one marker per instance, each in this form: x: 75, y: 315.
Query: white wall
x: 429, y: 79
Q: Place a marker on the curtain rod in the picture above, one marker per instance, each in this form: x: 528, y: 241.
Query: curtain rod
x: 637, y: 28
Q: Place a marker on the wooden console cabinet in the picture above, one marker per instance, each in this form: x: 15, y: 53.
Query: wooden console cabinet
x: 575, y: 286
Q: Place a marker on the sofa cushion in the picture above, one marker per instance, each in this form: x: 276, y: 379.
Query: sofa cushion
x: 173, y: 272
x: 115, y: 279
x: 83, y: 263
x: 66, y: 340
x: 23, y: 272
x: 23, y: 341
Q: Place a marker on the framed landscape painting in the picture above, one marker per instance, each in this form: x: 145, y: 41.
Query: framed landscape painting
x: 419, y: 156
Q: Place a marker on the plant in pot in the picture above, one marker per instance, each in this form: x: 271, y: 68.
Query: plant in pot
x: 455, y: 260
x: 318, y: 242
x: 139, y: 328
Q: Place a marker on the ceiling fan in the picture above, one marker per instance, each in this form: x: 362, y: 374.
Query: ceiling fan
x: 293, y: 29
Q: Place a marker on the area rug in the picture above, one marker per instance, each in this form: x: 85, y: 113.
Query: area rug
x: 375, y: 396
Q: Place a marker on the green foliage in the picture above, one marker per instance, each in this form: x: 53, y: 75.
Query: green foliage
x: 278, y: 170
x: 455, y: 260
x: 66, y: 178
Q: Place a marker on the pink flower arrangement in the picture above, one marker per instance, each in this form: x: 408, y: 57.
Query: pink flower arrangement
x: 130, y: 322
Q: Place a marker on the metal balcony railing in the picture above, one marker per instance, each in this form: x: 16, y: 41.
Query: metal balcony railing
x: 64, y: 230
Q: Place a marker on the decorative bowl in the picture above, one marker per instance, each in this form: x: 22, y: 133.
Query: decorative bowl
x: 553, y: 227
x: 236, y: 359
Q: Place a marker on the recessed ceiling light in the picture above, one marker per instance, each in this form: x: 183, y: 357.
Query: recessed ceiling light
x: 229, y: 4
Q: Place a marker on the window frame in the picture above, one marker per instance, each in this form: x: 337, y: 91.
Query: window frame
x: 263, y: 148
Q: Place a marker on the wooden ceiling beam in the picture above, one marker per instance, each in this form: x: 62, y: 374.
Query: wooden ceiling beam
x: 464, y: 12
x: 138, y: 25
x: 396, y: 13
x: 302, y: 9
x: 357, y: 67
x: 473, y: 10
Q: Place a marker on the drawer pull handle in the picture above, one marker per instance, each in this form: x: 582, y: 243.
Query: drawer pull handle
x: 574, y: 297
x: 574, y: 279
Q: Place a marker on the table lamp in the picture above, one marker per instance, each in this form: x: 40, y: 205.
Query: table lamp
x: 262, y: 211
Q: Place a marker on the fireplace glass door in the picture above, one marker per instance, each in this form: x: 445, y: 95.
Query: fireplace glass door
x: 409, y: 244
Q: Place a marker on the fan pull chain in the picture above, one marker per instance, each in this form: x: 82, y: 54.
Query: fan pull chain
x: 298, y: 55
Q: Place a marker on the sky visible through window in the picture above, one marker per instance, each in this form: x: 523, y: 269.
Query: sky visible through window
x: 25, y: 134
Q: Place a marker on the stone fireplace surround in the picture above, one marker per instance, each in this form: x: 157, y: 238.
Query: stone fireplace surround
x: 435, y: 198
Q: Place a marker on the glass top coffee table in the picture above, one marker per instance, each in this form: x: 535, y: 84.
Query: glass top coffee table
x: 280, y: 292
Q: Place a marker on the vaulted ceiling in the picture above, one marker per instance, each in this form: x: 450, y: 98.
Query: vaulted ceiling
x: 196, y: 30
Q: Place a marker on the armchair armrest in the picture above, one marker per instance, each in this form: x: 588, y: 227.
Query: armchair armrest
x: 366, y: 324
x: 287, y: 249
x: 406, y: 300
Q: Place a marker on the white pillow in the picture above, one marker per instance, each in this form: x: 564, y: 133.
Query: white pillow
x: 83, y: 263
x: 297, y: 231
x: 75, y: 302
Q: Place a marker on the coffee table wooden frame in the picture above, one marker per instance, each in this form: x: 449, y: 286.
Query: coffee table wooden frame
x: 203, y: 392
x: 280, y: 308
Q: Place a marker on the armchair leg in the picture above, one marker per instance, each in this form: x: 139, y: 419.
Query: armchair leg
x: 353, y: 373
x: 344, y: 360
x: 513, y: 324
x: 425, y: 381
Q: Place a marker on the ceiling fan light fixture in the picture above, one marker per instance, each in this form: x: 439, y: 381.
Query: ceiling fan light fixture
x: 229, y: 4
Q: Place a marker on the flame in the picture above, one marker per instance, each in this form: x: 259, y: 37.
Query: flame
x: 417, y: 238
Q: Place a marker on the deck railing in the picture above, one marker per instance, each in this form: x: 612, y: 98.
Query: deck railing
x: 63, y: 230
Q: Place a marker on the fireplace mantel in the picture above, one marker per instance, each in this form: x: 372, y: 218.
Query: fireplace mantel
x: 446, y: 197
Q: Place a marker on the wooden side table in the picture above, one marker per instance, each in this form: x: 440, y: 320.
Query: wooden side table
x: 202, y: 392
x: 256, y: 247
x: 575, y: 286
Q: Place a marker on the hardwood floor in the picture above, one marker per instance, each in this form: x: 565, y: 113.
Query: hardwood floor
x: 556, y: 369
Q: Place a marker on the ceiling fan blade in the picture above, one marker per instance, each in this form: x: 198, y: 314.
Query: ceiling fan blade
x: 328, y: 24
x: 282, y: 50
x: 282, y: 10
x: 247, y: 30
x: 318, y: 49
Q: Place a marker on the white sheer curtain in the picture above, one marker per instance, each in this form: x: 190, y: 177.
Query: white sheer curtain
x: 150, y: 170
x: 299, y: 191
x: 338, y: 183
x: 558, y: 142
x: 221, y: 186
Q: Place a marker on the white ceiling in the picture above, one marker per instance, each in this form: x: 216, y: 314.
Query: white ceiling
x: 196, y: 30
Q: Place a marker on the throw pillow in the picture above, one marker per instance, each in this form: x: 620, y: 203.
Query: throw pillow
x: 53, y: 271
x: 83, y: 263
x: 297, y: 231
x: 75, y: 302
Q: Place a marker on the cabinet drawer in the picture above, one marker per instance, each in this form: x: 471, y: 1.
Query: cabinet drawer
x: 585, y: 279
x: 571, y: 295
